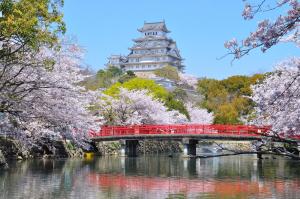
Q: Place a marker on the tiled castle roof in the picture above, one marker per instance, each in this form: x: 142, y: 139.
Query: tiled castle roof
x: 159, y: 26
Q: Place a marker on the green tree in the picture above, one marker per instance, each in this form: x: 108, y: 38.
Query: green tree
x: 228, y: 98
x: 169, y: 72
x: 114, y: 71
x: 179, y: 94
x: 139, y: 84
x: 205, y: 86
x: 29, y: 24
x: 127, y: 76
x: 104, y: 78
x: 226, y: 114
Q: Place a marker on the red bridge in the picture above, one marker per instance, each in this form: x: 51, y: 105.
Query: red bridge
x: 178, y: 131
x: 189, y: 134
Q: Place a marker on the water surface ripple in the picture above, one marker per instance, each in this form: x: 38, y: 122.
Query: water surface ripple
x: 152, y: 177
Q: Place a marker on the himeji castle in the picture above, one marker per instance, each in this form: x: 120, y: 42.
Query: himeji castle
x: 153, y: 50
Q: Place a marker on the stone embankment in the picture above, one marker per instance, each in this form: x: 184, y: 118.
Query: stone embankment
x: 3, y: 163
x: 57, y: 149
x: 11, y: 149
x: 154, y: 147
x: 235, y: 145
x: 146, y: 146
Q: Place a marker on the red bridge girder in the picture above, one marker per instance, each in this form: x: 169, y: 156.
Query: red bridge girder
x: 189, y: 129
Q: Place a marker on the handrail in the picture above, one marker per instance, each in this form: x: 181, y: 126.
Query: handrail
x: 215, y: 129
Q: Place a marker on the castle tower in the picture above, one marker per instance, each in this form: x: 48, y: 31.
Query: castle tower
x: 153, y: 50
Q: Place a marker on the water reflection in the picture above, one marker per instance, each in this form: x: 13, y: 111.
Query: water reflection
x: 153, y: 177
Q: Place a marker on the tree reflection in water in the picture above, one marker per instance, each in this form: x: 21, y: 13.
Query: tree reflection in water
x: 152, y: 177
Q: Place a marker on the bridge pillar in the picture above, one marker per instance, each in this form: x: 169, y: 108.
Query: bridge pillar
x: 128, y: 148
x: 122, y: 152
x: 189, y: 147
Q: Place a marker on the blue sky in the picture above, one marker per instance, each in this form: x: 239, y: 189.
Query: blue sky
x: 200, y: 28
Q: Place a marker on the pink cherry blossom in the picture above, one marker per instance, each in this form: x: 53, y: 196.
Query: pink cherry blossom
x: 277, y: 98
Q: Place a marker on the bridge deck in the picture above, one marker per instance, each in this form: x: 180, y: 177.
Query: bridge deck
x: 175, y: 137
x: 179, y: 131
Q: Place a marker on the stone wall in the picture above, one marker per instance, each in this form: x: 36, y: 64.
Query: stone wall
x: 57, y: 149
x: 109, y: 147
x: 236, y: 145
x: 3, y: 163
x: 153, y: 146
x: 147, y: 147
x: 13, y: 149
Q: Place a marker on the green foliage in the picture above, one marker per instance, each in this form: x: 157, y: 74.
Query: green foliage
x: 154, y: 89
x: 205, y: 86
x: 114, y: 71
x: 228, y: 98
x: 174, y: 104
x: 140, y: 84
x: 31, y: 22
x: 179, y: 94
x: 240, y: 85
x: 113, y: 90
x: 168, y: 72
x: 226, y: 114
x: 126, y: 77
x: 70, y: 146
x: 106, y: 78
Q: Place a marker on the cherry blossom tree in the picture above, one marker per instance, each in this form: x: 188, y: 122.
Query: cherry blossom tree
x: 277, y: 96
x: 277, y: 99
x: 268, y: 33
x: 40, y: 96
x: 188, y: 80
x: 136, y: 107
x: 199, y: 115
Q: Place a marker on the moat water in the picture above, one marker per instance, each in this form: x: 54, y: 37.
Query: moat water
x: 152, y: 177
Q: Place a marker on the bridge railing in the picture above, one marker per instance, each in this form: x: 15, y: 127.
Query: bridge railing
x: 238, y: 130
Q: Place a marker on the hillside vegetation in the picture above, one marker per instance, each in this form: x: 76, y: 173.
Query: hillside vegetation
x: 229, y: 99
